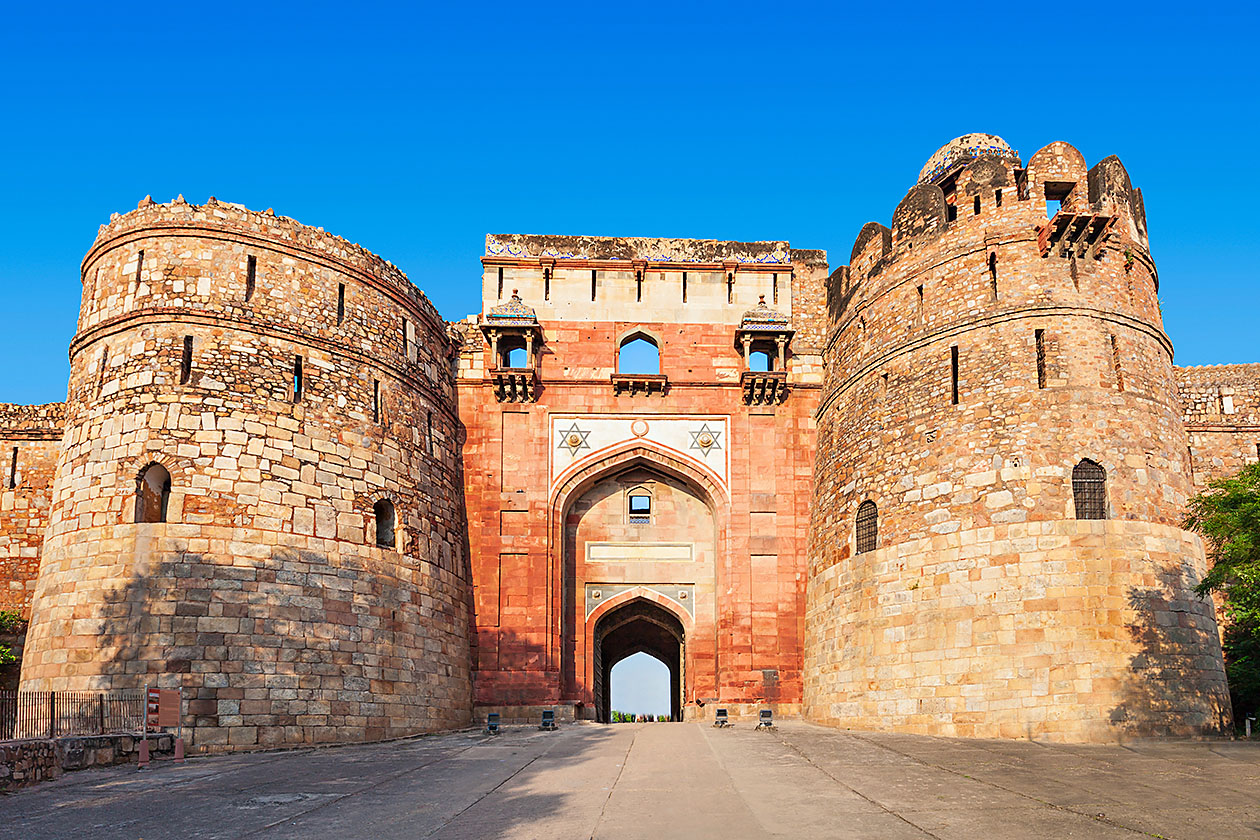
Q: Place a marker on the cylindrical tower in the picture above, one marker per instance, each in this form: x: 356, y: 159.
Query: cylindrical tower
x: 260, y: 498
x: 1002, y: 468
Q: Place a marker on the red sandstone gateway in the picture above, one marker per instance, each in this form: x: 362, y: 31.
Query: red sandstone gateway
x: 936, y: 490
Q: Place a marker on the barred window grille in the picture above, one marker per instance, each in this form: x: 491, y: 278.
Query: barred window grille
x: 1089, y: 490
x: 867, y: 526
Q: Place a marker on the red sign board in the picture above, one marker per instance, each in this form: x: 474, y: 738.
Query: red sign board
x: 163, y: 707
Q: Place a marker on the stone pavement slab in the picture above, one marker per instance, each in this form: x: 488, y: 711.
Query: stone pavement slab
x: 661, y: 780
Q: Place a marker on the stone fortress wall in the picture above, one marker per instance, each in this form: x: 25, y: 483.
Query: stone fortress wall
x: 978, y: 352
x: 288, y: 382
x: 1222, y: 411
x: 30, y: 442
x: 293, y: 385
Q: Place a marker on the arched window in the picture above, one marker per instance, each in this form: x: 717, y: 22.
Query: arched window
x: 639, y: 506
x: 383, y: 510
x: 516, y: 358
x: 512, y: 352
x: 153, y: 493
x: 1089, y: 490
x: 760, y: 359
x: 867, y: 527
x: 639, y: 354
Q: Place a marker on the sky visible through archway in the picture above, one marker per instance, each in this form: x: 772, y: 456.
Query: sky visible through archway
x: 640, y: 685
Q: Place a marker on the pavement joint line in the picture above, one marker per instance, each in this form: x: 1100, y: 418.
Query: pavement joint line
x: 473, y: 804
x: 1091, y: 817
x: 625, y: 759
x: 783, y: 740
x: 356, y: 792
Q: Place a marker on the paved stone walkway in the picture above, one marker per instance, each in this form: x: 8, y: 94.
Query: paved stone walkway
x: 665, y: 780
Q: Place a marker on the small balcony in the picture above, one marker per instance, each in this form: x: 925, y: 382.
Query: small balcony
x: 516, y: 385
x: 764, y: 387
x: 633, y: 384
x: 1081, y: 233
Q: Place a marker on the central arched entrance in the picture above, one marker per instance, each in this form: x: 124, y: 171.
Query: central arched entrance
x: 638, y: 626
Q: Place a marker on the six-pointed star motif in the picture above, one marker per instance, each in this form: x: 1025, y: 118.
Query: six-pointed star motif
x: 573, y: 439
x: 705, y: 439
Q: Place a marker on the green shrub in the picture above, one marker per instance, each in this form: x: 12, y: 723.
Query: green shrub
x: 7, y: 657
x: 11, y: 621
x: 1228, y: 517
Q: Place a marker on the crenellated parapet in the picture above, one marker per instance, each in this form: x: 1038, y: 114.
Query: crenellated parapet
x: 260, y: 427
x: 997, y: 380
x: 263, y: 228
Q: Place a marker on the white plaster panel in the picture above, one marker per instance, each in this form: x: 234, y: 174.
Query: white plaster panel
x: 582, y: 438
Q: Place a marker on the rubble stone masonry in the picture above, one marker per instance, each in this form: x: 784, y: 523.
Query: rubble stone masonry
x: 264, y: 593
x: 974, y: 361
x: 30, y: 441
x: 378, y: 523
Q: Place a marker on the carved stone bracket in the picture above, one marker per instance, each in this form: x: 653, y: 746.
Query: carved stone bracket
x: 767, y: 387
x: 515, y: 384
x: 639, y: 383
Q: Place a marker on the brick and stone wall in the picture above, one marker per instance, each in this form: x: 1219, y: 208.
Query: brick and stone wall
x: 1059, y: 356
x: 34, y: 760
x: 30, y: 443
x: 1222, y: 415
x: 264, y: 594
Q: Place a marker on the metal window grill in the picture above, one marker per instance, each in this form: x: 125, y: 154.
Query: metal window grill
x: 867, y: 527
x: 1089, y: 490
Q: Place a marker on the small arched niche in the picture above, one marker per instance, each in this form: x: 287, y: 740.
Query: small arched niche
x: 513, y: 354
x: 761, y: 356
x: 639, y: 354
x: 153, y: 493
x: 383, y: 512
x: 866, y: 527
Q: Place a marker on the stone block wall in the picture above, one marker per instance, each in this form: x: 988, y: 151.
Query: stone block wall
x: 1222, y: 415
x: 29, y: 762
x: 266, y: 594
x: 30, y: 443
x: 970, y: 369
x: 1059, y: 631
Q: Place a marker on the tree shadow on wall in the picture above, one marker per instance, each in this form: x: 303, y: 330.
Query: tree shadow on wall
x: 1175, y: 684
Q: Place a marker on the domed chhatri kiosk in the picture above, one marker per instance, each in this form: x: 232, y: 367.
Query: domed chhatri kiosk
x: 937, y: 490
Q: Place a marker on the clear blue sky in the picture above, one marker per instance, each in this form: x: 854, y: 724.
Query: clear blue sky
x: 416, y: 129
x: 640, y: 686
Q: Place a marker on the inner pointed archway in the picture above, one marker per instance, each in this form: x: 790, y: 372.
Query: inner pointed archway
x: 639, y: 685
x: 638, y: 626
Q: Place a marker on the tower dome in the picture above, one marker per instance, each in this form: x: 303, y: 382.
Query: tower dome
x: 966, y: 147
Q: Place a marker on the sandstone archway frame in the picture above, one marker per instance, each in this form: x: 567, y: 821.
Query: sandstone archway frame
x: 569, y: 487
x: 599, y: 676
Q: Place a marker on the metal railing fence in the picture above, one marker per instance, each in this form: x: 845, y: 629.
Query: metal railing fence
x: 50, y: 714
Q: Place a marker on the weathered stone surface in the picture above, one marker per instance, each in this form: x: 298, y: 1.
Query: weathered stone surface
x: 986, y: 607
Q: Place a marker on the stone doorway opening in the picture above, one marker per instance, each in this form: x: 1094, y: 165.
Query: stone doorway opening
x: 638, y: 626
